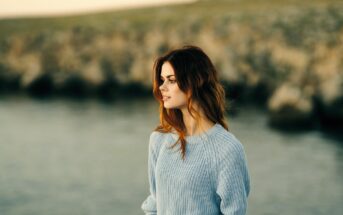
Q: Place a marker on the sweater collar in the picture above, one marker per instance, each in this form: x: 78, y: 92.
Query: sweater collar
x: 200, y: 137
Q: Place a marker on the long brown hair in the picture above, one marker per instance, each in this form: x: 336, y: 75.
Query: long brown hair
x: 197, y: 78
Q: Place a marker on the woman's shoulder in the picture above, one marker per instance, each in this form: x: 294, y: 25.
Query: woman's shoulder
x: 156, y: 139
x: 226, y: 143
x: 227, y: 150
x: 156, y: 135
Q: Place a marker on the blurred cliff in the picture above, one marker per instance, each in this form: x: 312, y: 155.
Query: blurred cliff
x: 284, y: 55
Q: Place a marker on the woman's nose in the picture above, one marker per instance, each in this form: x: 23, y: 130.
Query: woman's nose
x: 163, y: 87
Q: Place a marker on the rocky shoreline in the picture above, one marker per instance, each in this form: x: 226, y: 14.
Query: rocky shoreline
x: 290, y: 62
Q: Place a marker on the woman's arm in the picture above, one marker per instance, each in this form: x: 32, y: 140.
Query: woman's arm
x: 233, y: 185
x: 149, y: 205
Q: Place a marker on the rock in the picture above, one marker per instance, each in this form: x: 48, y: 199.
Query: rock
x: 330, y: 103
x: 329, y: 91
x: 41, y: 86
x: 289, y: 107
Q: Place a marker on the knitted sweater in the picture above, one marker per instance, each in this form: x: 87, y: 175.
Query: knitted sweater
x: 213, y: 178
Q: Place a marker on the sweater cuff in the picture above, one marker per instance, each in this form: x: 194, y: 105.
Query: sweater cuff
x: 149, y: 206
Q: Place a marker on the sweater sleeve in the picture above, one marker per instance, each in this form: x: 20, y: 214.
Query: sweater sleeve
x: 233, y: 183
x: 149, y: 205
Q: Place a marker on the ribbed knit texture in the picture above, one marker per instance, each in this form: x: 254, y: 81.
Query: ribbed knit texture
x: 213, y: 179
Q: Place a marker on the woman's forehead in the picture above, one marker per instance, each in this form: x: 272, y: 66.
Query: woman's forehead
x: 167, y: 70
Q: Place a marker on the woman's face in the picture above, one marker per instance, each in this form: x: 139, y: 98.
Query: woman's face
x: 173, y: 97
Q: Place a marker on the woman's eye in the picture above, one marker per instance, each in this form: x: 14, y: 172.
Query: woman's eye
x: 172, y: 81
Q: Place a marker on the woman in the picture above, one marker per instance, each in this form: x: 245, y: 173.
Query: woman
x: 196, y: 166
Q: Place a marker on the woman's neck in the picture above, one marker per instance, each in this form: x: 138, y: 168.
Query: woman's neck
x: 194, y: 127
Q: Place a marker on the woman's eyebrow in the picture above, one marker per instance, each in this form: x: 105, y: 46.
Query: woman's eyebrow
x: 168, y: 76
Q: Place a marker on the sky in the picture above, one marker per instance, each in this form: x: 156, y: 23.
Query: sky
x: 20, y: 8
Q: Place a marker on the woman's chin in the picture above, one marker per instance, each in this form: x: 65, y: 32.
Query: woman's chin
x: 168, y: 106
x: 175, y: 106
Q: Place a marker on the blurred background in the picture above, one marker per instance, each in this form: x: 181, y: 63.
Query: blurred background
x: 76, y: 105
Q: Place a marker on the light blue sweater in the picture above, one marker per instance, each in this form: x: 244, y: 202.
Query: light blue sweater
x: 213, y: 179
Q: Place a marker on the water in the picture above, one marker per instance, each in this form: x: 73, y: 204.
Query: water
x: 87, y: 157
